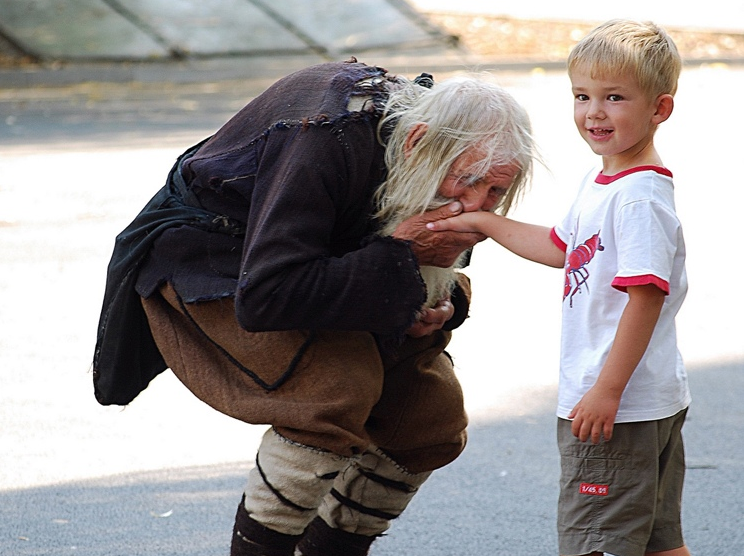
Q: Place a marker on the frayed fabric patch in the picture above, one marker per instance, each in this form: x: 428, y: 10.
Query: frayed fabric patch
x: 591, y: 489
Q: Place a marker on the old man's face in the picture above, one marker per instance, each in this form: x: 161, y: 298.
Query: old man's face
x: 477, y: 192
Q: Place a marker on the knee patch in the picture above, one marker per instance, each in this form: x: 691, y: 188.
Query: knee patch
x: 370, y: 493
x: 289, y: 482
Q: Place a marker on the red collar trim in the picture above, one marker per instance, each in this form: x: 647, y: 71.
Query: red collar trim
x: 604, y: 180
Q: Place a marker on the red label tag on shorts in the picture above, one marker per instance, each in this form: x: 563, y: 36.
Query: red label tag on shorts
x: 594, y: 490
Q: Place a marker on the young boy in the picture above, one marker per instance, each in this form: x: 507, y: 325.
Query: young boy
x: 622, y: 383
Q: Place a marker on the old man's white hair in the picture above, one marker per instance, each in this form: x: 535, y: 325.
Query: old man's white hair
x: 459, y: 113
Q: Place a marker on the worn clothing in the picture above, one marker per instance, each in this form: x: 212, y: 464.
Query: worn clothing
x: 622, y: 231
x: 300, y: 171
x: 289, y: 482
x: 272, y: 213
x: 622, y: 497
x: 259, y: 276
x: 126, y: 357
x: 268, y: 292
x: 326, y: 389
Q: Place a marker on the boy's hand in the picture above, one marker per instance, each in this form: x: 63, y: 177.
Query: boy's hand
x: 594, y: 416
x: 432, y: 248
x: 465, y: 222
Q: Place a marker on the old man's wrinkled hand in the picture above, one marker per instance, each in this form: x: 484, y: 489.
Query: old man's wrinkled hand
x: 432, y: 319
x: 436, y: 248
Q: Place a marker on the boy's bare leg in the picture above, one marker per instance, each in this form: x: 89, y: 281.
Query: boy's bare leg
x: 681, y: 551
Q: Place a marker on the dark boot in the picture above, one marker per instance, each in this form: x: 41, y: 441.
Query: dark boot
x: 250, y: 538
x: 322, y: 540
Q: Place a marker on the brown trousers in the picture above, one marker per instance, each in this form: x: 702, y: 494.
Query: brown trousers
x: 329, y: 389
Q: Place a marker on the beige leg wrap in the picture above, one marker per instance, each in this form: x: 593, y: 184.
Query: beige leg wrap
x: 289, y: 482
x: 369, y: 493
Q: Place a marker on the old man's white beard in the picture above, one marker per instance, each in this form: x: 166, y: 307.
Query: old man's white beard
x: 439, y: 281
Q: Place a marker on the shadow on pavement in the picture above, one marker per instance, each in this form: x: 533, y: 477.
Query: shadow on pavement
x: 497, y: 498
x: 185, y: 511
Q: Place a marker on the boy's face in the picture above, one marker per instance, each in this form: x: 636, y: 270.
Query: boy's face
x: 617, y: 119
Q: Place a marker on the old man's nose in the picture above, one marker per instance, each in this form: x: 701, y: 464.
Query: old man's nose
x: 476, y: 198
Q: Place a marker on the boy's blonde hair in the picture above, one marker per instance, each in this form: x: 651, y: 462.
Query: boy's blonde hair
x: 641, y: 49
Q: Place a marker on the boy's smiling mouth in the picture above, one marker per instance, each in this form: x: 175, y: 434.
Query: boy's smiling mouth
x: 599, y: 132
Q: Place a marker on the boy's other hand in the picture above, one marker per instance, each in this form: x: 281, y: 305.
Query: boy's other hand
x: 594, y: 416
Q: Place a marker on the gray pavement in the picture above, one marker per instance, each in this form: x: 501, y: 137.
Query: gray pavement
x: 498, y: 498
x: 164, y: 475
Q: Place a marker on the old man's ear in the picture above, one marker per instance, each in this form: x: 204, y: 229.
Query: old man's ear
x: 414, y: 136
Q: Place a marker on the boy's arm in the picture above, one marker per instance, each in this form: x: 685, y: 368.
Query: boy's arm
x: 594, y: 415
x: 529, y: 241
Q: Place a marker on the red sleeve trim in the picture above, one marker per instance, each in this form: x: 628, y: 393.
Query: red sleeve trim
x: 622, y: 283
x: 558, y: 241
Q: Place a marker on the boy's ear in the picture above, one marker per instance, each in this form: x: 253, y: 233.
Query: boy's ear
x: 664, y: 108
x: 413, y: 137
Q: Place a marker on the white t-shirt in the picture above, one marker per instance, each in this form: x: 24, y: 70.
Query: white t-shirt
x: 622, y: 231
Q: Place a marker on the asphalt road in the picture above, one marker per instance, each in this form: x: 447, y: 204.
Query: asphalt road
x: 163, y: 476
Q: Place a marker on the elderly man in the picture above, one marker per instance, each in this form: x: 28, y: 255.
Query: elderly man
x: 286, y: 276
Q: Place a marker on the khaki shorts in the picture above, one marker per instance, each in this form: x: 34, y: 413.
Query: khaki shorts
x: 624, y: 496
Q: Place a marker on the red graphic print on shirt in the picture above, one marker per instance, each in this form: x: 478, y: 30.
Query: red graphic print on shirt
x: 577, y: 274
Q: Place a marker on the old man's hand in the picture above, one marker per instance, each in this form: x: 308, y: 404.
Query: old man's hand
x: 436, y: 248
x: 432, y: 319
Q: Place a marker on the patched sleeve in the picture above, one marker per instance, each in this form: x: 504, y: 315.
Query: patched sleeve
x: 310, y: 187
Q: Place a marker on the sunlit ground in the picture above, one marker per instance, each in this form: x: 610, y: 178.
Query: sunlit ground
x: 60, y: 211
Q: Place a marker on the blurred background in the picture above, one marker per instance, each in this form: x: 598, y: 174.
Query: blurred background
x: 98, y: 97
x: 178, y: 36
